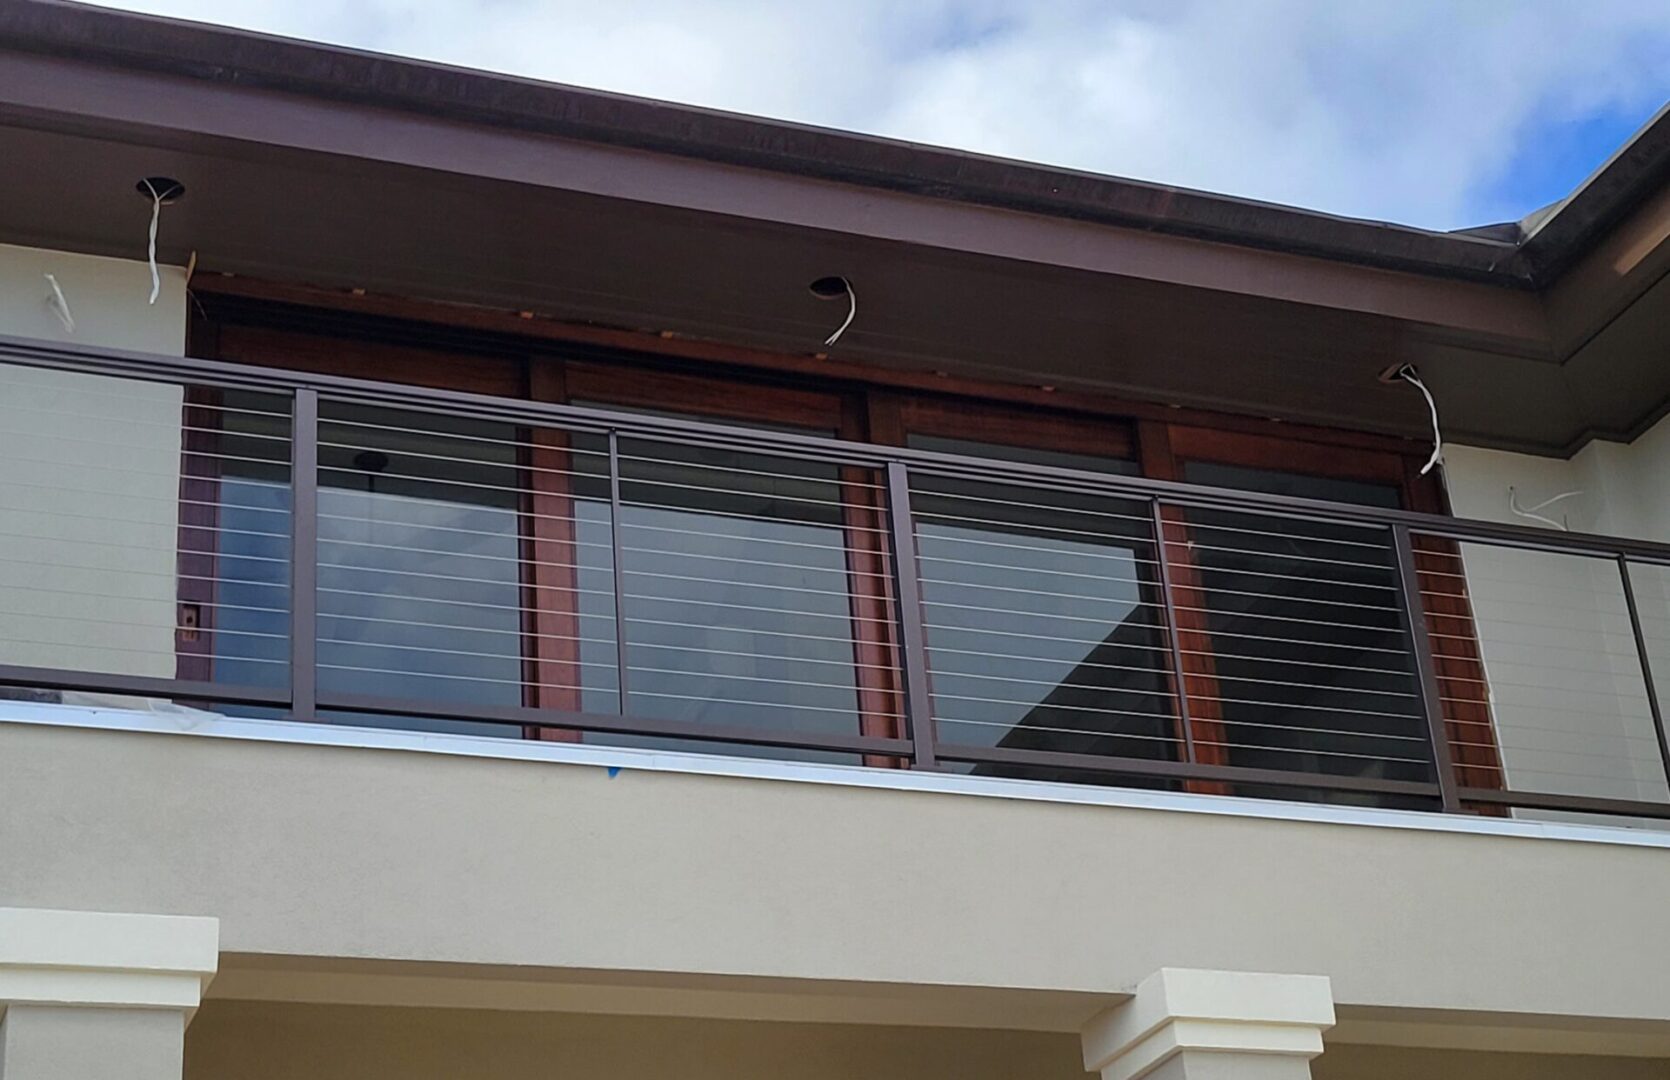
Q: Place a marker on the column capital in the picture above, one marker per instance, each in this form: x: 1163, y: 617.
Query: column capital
x: 1186, y: 1011
x: 106, y: 959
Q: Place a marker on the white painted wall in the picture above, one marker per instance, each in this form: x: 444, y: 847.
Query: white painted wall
x: 1567, y: 692
x: 89, y: 471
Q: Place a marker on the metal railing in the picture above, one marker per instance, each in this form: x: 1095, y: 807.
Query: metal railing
x: 345, y: 551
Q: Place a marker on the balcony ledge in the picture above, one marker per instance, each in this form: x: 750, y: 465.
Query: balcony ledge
x: 209, y: 725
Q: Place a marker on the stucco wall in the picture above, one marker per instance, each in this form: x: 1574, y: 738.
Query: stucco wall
x: 89, y: 472
x: 1568, y: 695
x: 317, y: 851
x: 278, y: 1041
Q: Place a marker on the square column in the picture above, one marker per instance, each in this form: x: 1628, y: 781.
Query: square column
x: 100, y: 996
x: 1186, y: 1024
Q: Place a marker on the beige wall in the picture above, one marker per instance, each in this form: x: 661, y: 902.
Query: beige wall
x: 268, y: 1041
x: 108, y: 298
x: 264, y: 1041
x: 540, y: 867
x: 89, y: 472
x: 1568, y: 695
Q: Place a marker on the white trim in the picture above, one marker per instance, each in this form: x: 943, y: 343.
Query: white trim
x: 1183, y: 1010
x: 98, y: 958
x: 213, y: 725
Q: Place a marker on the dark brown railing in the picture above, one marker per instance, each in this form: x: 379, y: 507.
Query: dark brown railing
x: 336, y: 550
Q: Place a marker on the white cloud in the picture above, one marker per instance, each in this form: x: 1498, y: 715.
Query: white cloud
x: 1405, y: 111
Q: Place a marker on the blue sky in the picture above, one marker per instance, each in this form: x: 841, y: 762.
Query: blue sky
x: 1553, y: 158
x: 1437, y: 113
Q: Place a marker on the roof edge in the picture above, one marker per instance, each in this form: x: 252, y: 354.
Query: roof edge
x: 1558, y: 236
x: 1525, y: 255
x: 237, y: 57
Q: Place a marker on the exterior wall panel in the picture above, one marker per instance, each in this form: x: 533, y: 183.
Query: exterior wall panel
x: 386, y: 854
x: 89, y: 472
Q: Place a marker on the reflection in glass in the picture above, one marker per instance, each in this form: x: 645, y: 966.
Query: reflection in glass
x: 737, y: 607
x: 1310, y: 666
x: 1059, y: 459
x: 250, y: 614
x: 1044, y: 629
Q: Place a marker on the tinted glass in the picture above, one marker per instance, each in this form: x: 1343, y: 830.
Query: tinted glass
x: 1043, y: 626
x: 1004, y: 452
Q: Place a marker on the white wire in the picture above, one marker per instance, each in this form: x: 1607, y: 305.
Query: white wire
x: 1530, y: 512
x: 1408, y: 373
x: 60, y: 306
x: 156, y: 214
x: 852, y: 310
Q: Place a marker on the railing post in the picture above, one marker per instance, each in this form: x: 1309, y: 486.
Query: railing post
x: 618, y: 566
x: 1172, y: 633
x: 1413, y: 611
x: 919, y: 706
x: 1646, y: 662
x: 304, y: 554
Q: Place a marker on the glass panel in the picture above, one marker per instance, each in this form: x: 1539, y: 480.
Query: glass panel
x: 1304, y: 663
x: 1568, y: 701
x: 1043, y: 624
x: 424, y: 589
x: 250, y: 622
x: 1301, y: 485
x: 1004, y: 452
x: 235, y: 538
x: 738, y: 608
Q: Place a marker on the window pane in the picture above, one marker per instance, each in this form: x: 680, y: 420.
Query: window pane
x: 1004, y: 452
x: 1301, y: 485
x: 737, y: 603
x: 1043, y: 625
x: 425, y: 590
x: 1309, y: 667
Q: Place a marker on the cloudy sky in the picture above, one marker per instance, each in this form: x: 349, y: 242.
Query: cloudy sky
x: 1440, y: 113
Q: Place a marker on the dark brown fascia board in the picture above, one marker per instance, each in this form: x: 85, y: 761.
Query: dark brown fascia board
x: 200, y: 51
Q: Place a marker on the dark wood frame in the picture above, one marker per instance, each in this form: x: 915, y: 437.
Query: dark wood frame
x: 857, y: 402
x: 1464, y: 694
x: 550, y: 563
x: 875, y: 644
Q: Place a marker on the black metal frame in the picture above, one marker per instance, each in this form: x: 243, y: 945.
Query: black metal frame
x: 897, y: 464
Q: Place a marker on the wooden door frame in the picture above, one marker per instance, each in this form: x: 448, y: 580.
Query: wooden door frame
x: 1449, y: 629
x: 350, y: 333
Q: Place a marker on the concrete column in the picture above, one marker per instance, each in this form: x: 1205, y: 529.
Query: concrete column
x: 1185, y: 1024
x: 99, y: 996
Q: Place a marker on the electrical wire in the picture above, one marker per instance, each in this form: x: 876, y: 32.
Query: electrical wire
x: 151, y: 248
x: 1408, y: 373
x: 1530, y: 512
x: 852, y: 310
x: 60, y: 306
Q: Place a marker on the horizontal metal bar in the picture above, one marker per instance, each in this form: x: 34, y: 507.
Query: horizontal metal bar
x: 788, y: 444
x: 615, y: 725
x: 1577, y: 803
x: 141, y: 686
x: 1179, y: 770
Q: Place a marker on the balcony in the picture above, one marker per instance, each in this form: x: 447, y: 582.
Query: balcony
x: 194, y: 534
